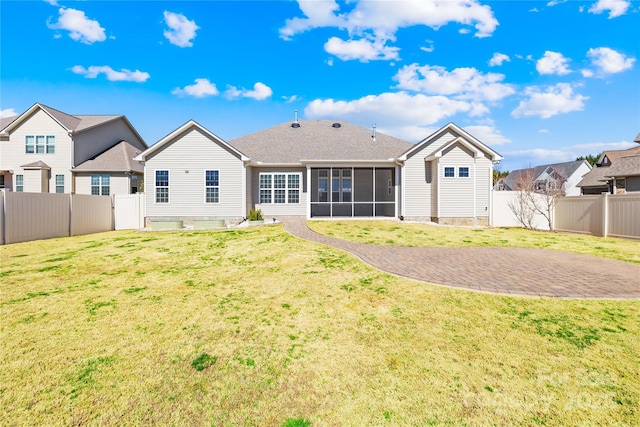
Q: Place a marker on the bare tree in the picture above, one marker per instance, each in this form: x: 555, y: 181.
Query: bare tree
x: 537, y: 196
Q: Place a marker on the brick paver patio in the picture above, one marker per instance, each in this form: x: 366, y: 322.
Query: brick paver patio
x: 510, y: 271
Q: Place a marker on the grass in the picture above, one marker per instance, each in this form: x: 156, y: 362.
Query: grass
x: 423, y: 235
x: 288, y: 332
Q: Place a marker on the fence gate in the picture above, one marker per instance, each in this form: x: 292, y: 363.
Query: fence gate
x: 129, y: 211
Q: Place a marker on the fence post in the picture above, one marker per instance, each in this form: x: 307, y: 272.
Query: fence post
x: 605, y: 214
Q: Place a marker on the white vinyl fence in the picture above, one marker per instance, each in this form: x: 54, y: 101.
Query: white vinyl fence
x: 129, y: 211
x: 600, y: 215
x: 35, y: 216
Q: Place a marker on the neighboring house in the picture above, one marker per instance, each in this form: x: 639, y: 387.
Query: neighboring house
x: 600, y: 179
x: 552, y: 178
x: 318, y: 169
x: 46, y: 150
x: 625, y: 174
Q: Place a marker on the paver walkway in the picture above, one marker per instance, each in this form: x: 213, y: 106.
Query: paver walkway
x: 511, y: 271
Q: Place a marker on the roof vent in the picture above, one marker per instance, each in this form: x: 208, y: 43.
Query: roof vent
x: 373, y: 136
x: 336, y: 125
x: 295, y: 124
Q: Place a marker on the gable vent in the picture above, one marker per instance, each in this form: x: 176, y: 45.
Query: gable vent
x: 336, y: 125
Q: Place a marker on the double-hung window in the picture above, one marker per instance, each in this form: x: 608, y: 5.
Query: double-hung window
x: 100, y: 185
x: 19, y: 183
x: 51, y: 144
x: 279, y: 188
x: 212, y: 186
x: 40, y: 144
x: 162, y: 186
x: 59, y: 183
x: 29, y: 144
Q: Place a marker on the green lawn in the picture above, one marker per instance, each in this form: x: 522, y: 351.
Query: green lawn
x: 256, y: 327
x: 381, y: 232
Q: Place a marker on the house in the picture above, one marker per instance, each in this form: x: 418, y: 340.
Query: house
x: 555, y: 178
x: 600, y: 179
x: 318, y: 168
x: 46, y: 150
x: 625, y: 174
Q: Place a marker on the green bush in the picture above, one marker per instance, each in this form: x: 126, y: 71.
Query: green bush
x: 255, y: 215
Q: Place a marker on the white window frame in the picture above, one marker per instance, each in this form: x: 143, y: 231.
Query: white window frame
x: 156, y: 187
x: 207, y: 187
x: 453, y: 172
x: 60, y: 184
x: 50, y: 144
x: 30, y: 144
x: 19, y: 183
x: 271, y: 190
x: 104, y: 181
x: 460, y: 172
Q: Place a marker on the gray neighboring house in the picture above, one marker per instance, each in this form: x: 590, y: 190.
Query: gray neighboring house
x: 625, y: 174
x: 549, y: 178
x: 42, y: 150
x: 601, y: 178
x: 318, y: 168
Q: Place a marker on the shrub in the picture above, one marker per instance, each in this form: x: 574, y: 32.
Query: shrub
x: 255, y: 215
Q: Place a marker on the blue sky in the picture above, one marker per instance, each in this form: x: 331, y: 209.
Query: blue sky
x: 538, y: 81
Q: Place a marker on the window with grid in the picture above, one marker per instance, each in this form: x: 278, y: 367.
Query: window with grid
x: 100, y: 185
x: 162, y: 186
x: 449, y: 172
x: 39, y: 144
x: 19, y: 183
x: 463, y: 172
x: 29, y: 144
x: 51, y: 144
x: 279, y: 188
x: 59, y: 183
x: 212, y: 188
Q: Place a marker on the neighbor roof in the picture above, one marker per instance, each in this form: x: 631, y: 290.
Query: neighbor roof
x: 615, y: 154
x: 624, y: 166
x: 565, y: 170
x: 596, y: 177
x: 118, y: 158
x: 72, y: 123
x: 316, y: 141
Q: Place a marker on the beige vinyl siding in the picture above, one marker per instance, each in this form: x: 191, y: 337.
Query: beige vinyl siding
x: 186, y: 158
x: 419, y: 184
x: 456, y: 194
x: 484, y: 181
x: 12, y: 154
x: 279, y: 209
x: 96, y: 140
x: 119, y: 183
x: 434, y: 188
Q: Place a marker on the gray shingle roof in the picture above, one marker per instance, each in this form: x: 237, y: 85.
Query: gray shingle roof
x: 624, y: 166
x: 595, y: 177
x: 36, y: 165
x: 565, y: 170
x: 118, y: 158
x: 317, y: 140
x: 6, y: 121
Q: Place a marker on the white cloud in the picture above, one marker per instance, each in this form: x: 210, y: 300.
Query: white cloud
x: 200, y: 89
x: 430, y: 47
x: 372, y: 24
x: 543, y: 131
x: 464, y: 83
x: 260, y: 91
x: 548, y: 102
x: 290, y: 99
x: 80, y: 27
x: 488, y: 134
x: 608, y: 61
x: 535, y: 9
x: 181, y: 30
x: 614, y: 7
x: 363, y: 50
x: 123, y: 75
x: 400, y: 108
x: 7, y: 112
x: 553, y: 63
x: 555, y: 2
x: 498, y: 59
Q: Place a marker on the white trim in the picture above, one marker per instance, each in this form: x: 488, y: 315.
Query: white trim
x: 438, y: 187
x: 286, y: 188
x: 244, y: 189
x: 475, y: 188
x: 190, y: 124
x: 308, y: 192
x: 403, y: 192
x: 205, y: 187
x: 154, y: 194
x: 396, y: 171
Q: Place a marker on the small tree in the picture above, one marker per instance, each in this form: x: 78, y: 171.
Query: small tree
x: 536, y: 197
